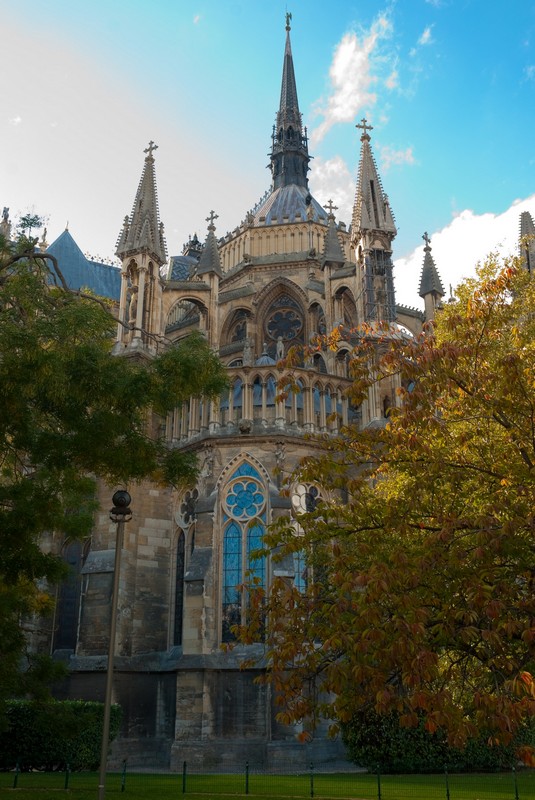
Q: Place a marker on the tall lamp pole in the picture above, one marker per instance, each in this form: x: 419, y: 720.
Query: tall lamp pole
x: 120, y: 513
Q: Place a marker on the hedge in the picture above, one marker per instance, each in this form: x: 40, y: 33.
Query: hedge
x: 49, y: 735
x: 380, y: 742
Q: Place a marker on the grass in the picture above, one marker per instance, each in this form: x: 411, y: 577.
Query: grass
x: 83, y: 786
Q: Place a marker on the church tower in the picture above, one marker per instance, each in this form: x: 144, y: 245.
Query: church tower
x: 142, y: 250
x: 373, y: 231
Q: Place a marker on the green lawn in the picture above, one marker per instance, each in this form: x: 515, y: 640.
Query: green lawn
x: 83, y: 786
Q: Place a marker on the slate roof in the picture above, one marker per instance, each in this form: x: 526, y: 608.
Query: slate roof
x: 81, y: 272
x: 284, y: 203
x: 180, y: 268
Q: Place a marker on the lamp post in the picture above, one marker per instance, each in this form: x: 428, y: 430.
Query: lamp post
x: 120, y: 513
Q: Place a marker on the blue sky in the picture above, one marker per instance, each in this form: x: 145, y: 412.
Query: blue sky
x: 447, y: 84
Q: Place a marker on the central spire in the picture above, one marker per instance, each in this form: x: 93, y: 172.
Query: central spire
x: 289, y: 151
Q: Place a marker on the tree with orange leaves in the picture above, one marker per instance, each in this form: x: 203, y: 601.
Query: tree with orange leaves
x: 420, y: 596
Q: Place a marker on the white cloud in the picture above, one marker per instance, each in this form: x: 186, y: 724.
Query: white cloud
x: 196, y: 19
x: 458, y: 247
x: 530, y: 72
x: 351, y: 78
x: 426, y: 37
x: 331, y: 179
x: 392, y: 80
x: 15, y: 120
x: 389, y: 156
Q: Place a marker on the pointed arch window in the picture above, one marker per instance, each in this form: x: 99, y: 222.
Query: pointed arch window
x: 68, y: 600
x: 305, y: 498
x: 185, y: 518
x: 179, y: 588
x: 244, y: 520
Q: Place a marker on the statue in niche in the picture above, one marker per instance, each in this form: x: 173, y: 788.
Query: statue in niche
x: 208, y: 465
x: 280, y: 348
x: 132, y: 311
x: 247, y: 353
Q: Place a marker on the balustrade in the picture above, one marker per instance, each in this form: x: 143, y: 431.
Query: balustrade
x: 257, y: 401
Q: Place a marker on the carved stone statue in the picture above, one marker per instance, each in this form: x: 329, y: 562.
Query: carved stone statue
x: 247, y: 353
x: 132, y: 311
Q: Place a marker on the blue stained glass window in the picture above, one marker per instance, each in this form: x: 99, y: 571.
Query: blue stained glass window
x: 300, y: 571
x: 244, y: 518
x: 254, y: 543
x: 232, y: 566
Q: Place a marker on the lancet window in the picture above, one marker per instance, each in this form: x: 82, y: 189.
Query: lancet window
x: 244, y: 518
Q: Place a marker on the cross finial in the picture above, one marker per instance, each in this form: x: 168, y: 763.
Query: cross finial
x: 329, y: 205
x: 150, y: 149
x: 288, y: 19
x: 210, y: 219
x: 426, y: 239
x: 363, y: 124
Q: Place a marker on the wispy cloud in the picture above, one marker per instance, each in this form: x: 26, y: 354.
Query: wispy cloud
x: 530, y: 72
x: 351, y: 76
x: 15, y: 120
x: 426, y: 37
x: 390, y: 157
x: 331, y: 179
x: 393, y: 80
x: 196, y: 19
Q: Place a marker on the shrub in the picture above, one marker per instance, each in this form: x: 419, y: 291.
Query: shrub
x: 378, y: 741
x: 49, y: 735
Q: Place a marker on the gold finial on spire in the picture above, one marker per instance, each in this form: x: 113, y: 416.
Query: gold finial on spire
x: 288, y: 19
x: 363, y: 124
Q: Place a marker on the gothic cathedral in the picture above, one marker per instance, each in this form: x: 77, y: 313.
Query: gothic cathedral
x: 287, y: 272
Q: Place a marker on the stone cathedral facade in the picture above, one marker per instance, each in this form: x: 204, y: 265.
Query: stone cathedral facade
x: 287, y: 272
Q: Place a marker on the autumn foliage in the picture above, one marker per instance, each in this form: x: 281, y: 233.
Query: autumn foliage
x: 419, y: 597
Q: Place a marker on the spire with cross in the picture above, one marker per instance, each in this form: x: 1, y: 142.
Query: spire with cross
x: 331, y: 208
x: 210, y: 219
x: 430, y: 283
x: 142, y: 232
x: 150, y: 149
x: 289, y: 151
x: 363, y: 125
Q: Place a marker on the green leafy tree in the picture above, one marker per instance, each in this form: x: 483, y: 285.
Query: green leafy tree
x: 420, y: 595
x: 71, y: 412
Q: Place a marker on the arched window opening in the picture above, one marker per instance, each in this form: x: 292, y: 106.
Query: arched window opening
x: 305, y: 498
x: 244, y: 519
x: 284, y: 321
x: 179, y: 588
x: 184, y: 314
x: 68, y: 602
x: 231, y: 402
